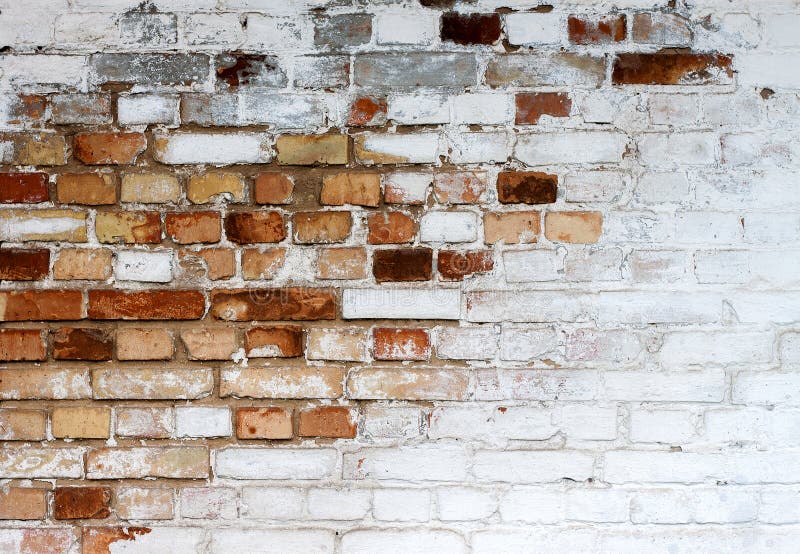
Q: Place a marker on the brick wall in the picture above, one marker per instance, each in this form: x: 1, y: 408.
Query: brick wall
x: 399, y: 276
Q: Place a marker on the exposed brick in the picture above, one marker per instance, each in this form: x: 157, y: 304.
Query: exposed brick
x: 144, y: 344
x: 255, y: 227
x: 123, y: 383
x: 472, y: 28
x: 238, y: 69
x: 366, y: 111
x: 401, y: 344
x: 408, y: 384
x: 154, y: 304
x: 92, y: 189
x: 39, y: 305
x: 209, y: 343
x: 342, y: 263
x: 670, y: 69
x: 128, y: 227
x: 264, y: 423
x: 327, y: 421
x: 59, y: 384
x: 596, y: 30
x: 187, y: 462
x: 360, y: 189
x: 87, y: 109
x: 454, y: 265
x: 512, y: 227
x: 81, y: 502
x: 81, y: 423
x: 661, y: 28
x: 98, y: 540
x: 194, y: 227
x: 204, y: 188
x: 531, y: 106
x: 23, y: 503
x: 22, y: 425
x: 217, y: 263
x: 312, y: 149
x: 149, y: 188
x: 582, y: 227
x: 258, y: 264
x: 526, y: 187
x: 321, y: 227
x: 71, y: 343
x: 24, y: 265
x: 23, y: 188
x: 83, y: 263
x: 293, y: 304
x: 18, y: 345
x: 462, y: 187
x: 303, y: 382
x: 403, y: 264
x: 273, y: 188
x: 40, y: 149
x: 390, y: 228
x: 284, y: 341
x: 108, y: 148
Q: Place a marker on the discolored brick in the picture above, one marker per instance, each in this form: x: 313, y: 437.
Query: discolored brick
x: 237, y: 69
x: 342, y: 31
x: 390, y: 228
x: 41, y: 305
x: 401, y: 344
x: 463, y: 187
x: 82, y: 263
x: 342, y: 263
x: 255, y: 227
x: 40, y: 149
x: 284, y: 341
x: 264, y: 423
x: 144, y: 344
x: 454, y: 265
x: 327, y: 421
x: 24, y: 265
x: 194, y: 227
x: 474, y: 28
x: 360, y: 189
x: 661, y: 28
x: 153, y: 304
x: 204, y: 188
x: 72, y: 343
x: 291, y: 304
x: 98, y: 540
x: 92, y: 189
x: 512, y: 227
x: 23, y: 503
x: 273, y: 188
x: 45, y: 384
x: 108, y: 148
x: 28, y: 188
x: 216, y: 263
x: 321, y: 227
x: 666, y: 68
x: 128, y: 227
x: 312, y: 149
x: 403, y: 264
x: 367, y: 111
x: 526, y: 187
x: 22, y: 425
x: 531, y: 106
x: 580, y: 227
x: 597, y: 30
x: 81, y: 502
x: 258, y: 264
x: 43, y: 225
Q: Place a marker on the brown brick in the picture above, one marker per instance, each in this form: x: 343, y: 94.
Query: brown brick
x: 81, y: 423
x: 24, y: 265
x: 312, y: 149
x: 39, y: 149
x: 210, y: 343
x: 23, y: 503
x: 264, y: 423
x: 366, y: 111
x: 596, y: 30
x: 254, y: 227
x: 291, y: 304
x: 81, y: 502
x: 454, y: 265
x: 218, y: 263
x: 49, y: 384
x: 402, y: 264
x: 342, y: 263
x: 204, y: 188
x: 108, y: 148
x: 527, y: 187
x: 92, y: 189
x: 321, y: 227
x: 257, y: 264
x: 512, y: 227
x: 128, y: 227
x: 359, y: 189
x: 82, y: 263
x: 194, y: 227
x: 22, y: 425
x: 401, y: 344
x: 580, y: 227
x: 531, y: 106
x: 390, y: 228
x: 463, y: 187
x: 97, y: 540
x: 666, y: 68
x: 273, y: 188
x: 327, y: 421
x: 149, y: 188
x: 41, y: 305
x: 284, y: 341
x: 475, y: 28
x: 144, y: 344
x: 25, y: 188
x: 82, y: 344
x: 152, y: 304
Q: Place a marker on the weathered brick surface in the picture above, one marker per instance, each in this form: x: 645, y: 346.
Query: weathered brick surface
x: 418, y: 276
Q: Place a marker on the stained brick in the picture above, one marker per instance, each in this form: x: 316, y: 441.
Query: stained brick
x: 342, y: 263
x: 92, y: 189
x: 403, y: 264
x: 21, y: 345
x: 194, y: 227
x: 596, y: 30
x: 154, y: 304
x: 367, y: 111
x: 40, y: 149
x: 321, y: 227
x: 128, y: 227
x: 273, y: 188
x: 401, y: 344
x: 360, y: 189
x: 71, y: 343
x: 81, y: 502
x: 258, y: 264
x: 23, y: 188
x: 209, y: 343
x: 284, y: 341
x: 462, y: 187
x: 531, y: 106
x: 526, y: 187
x: 512, y: 227
x: 454, y: 265
x: 24, y: 265
x: 327, y: 421
x: 255, y: 227
x: 239, y: 69
x: 39, y: 305
x: 204, y: 188
x: 294, y: 304
x: 44, y: 225
x: 264, y: 423
x: 390, y: 228
x: 149, y: 69
x: 303, y: 382
x: 671, y: 69
x: 582, y: 227
x: 342, y: 31
x: 312, y: 149
x: 50, y: 384
x: 108, y: 148
x: 472, y: 28
x: 82, y: 263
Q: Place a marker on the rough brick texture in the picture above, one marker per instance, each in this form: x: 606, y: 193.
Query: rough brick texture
x: 415, y: 276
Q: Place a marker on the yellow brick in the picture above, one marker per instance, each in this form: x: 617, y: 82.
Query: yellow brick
x: 202, y: 188
x: 81, y: 423
x: 312, y: 149
x: 149, y: 188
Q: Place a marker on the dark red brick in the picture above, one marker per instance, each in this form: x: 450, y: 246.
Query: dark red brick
x: 474, y: 28
x: 531, y: 106
x: 288, y: 304
x: 454, y: 265
x: 24, y: 265
x: 27, y: 188
x: 526, y: 187
x: 152, y: 304
x: 667, y: 68
x: 81, y: 502
x: 82, y: 344
x: 255, y: 227
x: 603, y: 30
x: 285, y: 341
x: 367, y: 110
x: 402, y: 264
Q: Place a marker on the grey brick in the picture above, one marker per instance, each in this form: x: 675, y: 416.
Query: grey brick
x: 416, y: 69
x: 87, y: 109
x: 255, y: 70
x: 524, y: 70
x: 342, y: 31
x: 322, y: 71
x: 149, y: 29
x: 149, y: 69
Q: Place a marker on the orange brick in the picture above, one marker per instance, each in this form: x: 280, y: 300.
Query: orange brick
x: 321, y: 227
x: 263, y: 423
x: 204, y: 188
x: 81, y: 423
x: 578, y: 227
x: 360, y: 189
x: 194, y: 227
x: 144, y: 344
x: 108, y: 148
x: 257, y: 264
x: 22, y: 425
x: 23, y: 504
x: 81, y: 502
x: 401, y: 344
x: 210, y: 344
x: 218, y: 263
x: 285, y: 341
x: 390, y: 228
x: 512, y: 227
x: 40, y: 305
x: 328, y: 421
x: 17, y: 345
x: 342, y: 263
x: 146, y: 304
x: 273, y: 188
x: 83, y: 263
x: 92, y: 189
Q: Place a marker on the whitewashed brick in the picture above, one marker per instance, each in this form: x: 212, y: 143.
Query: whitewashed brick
x: 197, y: 421
x: 137, y: 265
x: 564, y: 384
x: 214, y: 28
x: 410, y: 541
x: 589, y: 422
x: 142, y: 109
x: 392, y: 422
x: 413, y: 463
x: 481, y: 108
x: 401, y: 504
x: 597, y: 505
x: 437, y: 303
x: 220, y: 149
x: 277, y: 33
x: 534, y: 28
x: 416, y: 148
x: 593, y: 345
x: 521, y: 466
x: 448, y: 227
x: 208, y: 503
x: 533, y: 265
x: 698, y: 386
x: 766, y: 388
x: 419, y: 109
x: 275, y: 463
x: 338, y: 504
x: 570, y: 148
x: 281, y: 503
x: 666, y: 426
x: 490, y: 424
x: 657, y: 188
x: 595, y: 186
x: 533, y: 505
x: 464, y: 504
x: 669, y: 150
x: 722, y: 266
x: 408, y: 187
x: 294, y: 541
x: 522, y: 344
x: 710, y: 348
x: 465, y: 343
x: 405, y: 28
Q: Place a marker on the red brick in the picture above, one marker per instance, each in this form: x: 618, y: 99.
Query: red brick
x: 390, y: 228
x: 108, y: 148
x: 321, y: 227
x: 82, y: 344
x: 216, y: 263
x: 666, y: 68
x: 290, y: 304
x: 81, y: 502
x: 473, y: 28
x: 98, y: 540
x: 327, y: 421
x: 23, y: 188
x: 92, y: 189
x: 128, y: 227
x: 402, y: 264
x: 602, y: 30
x: 194, y: 227
x: 153, y: 304
x: 273, y: 188
x: 526, y: 187
x: 41, y: 305
x: 264, y: 423
x: 531, y: 106
x: 454, y: 265
x: 24, y: 265
x: 17, y: 345
x: 255, y: 227
x: 284, y: 341
x: 367, y: 110
x: 401, y: 344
